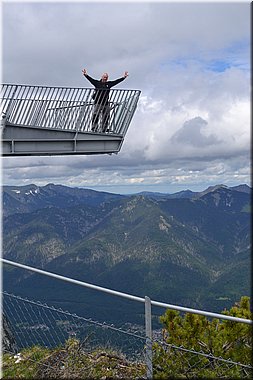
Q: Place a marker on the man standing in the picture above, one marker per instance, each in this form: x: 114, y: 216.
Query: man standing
x: 101, y: 98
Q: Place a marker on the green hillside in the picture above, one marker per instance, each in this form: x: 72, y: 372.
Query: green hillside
x: 190, y: 251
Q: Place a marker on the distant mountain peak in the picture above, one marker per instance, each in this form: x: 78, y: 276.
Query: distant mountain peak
x: 243, y: 188
x: 211, y: 189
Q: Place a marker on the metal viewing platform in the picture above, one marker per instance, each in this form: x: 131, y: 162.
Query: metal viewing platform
x: 41, y: 120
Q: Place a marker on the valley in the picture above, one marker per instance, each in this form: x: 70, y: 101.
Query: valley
x: 189, y: 249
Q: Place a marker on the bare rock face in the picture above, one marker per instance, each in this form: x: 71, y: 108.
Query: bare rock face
x: 8, y: 340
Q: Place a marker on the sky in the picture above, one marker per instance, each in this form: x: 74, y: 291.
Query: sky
x: 191, y: 61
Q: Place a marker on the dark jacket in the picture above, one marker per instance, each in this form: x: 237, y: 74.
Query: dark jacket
x: 102, y: 89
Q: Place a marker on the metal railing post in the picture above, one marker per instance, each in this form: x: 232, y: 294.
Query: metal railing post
x: 148, y: 329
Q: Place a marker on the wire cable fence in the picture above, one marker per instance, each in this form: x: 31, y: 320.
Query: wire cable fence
x: 36, y: 324
x: 62, y: 344
x: 137, y: 350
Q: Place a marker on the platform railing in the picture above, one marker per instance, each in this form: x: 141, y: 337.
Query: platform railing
x: 65, y: 108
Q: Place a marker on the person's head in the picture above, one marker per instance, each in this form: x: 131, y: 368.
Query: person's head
x: 104, y: 77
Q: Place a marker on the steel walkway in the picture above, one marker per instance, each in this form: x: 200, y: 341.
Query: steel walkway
x: 40, y: 120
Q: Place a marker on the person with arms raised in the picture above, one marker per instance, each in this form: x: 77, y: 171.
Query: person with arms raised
x: 101, y: 98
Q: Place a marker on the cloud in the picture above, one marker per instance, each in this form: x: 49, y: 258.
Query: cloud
x: 190, y: 60
x: 191, y: 134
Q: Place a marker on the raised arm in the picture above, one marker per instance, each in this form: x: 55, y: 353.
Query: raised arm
x: 90, y: 79
x: 116, y: 81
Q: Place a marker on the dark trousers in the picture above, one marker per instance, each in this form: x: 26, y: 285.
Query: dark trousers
x: 104, y: 111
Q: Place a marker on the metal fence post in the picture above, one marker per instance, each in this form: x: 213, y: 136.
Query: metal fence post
x: 148, y: 329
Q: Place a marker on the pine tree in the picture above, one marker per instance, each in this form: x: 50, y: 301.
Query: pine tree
x: 211, y: 338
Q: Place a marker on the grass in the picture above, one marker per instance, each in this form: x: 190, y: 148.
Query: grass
x: 70, y: 361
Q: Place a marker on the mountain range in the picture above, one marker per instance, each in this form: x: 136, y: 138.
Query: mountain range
x: 188, y: 248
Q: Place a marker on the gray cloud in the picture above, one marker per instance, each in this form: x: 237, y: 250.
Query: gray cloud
x: 191, y: 133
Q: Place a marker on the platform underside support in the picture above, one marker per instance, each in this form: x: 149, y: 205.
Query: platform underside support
x: 35, y: 141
